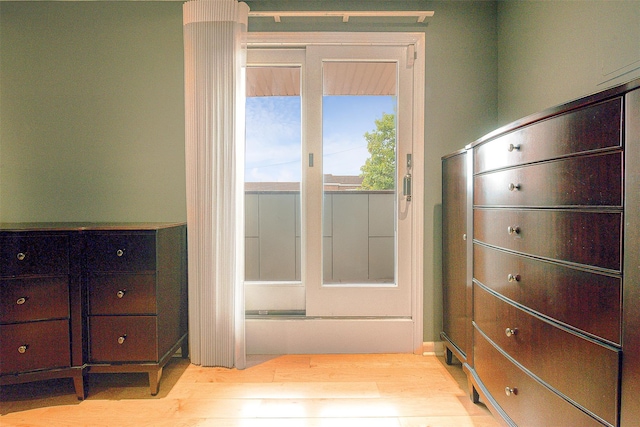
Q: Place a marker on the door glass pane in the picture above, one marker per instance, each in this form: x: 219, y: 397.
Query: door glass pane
x: 272, y: 174
x: 359, y: 169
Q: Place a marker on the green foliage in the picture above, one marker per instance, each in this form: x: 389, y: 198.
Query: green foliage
x: 379, y: 170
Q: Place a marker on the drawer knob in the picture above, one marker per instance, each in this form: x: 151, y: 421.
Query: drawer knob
x: 21, y: 300
x: 120, y: 252
x: 121, y: 293
x: 513, y: 277
x: 23, y: 348
x: 513, y: 230
x: 21, y: 256
x: 514, y: 187
x: 122, y: 338
x: 511, y: 331
x: 514, y: 147
x: 511, y: 391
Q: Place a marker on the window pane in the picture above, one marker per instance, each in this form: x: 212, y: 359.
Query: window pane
x: 359, y: 168
x: 272, y: 174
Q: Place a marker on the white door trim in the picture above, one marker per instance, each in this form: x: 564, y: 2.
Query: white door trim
x: 292, y: 39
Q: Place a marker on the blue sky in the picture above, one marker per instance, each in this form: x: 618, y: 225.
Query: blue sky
x: 273, y: 135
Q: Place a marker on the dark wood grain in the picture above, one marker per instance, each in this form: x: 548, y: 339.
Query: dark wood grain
x: 456, y: 321
x: 40, y: 298
x: 630, y: 413
x: 588, y: 372
x: 140, y: 343
x: 583, y: 237
x: 138, y: 293
x: 561, y: 292
x: 594, y: 180
x: 532, y: 404
x: 47, y: 346
x: 593, y: 127
x: 42, y: 253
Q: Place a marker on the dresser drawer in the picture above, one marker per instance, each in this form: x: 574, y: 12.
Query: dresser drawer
x: 122, y: 293
x: 29, y: 255
x: 121, y: 252
x: 584, y: 371
x: 554, y: 290
x: 593, y: 128
x: 23, y: 300
x: 34, y: 346
x: 583, y: 237
x: 587, y: 180
x: 124, y: 339
x: 528, y: 403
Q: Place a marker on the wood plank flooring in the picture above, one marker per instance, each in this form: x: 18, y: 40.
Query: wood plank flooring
x: 388, y: 390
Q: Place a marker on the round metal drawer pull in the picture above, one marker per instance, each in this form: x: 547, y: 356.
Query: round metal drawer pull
x: 21, y: 301
x: 23, y: 349
x: 122, y: 338
x: 514, y: 147
x: 511, y: 331
x: 514, y: 187
x: 513, y: 277
x: 513, y: 230
x: 511, y: 391
x: 121, y: 293
x: 120, y: 252
x: 21, y: 256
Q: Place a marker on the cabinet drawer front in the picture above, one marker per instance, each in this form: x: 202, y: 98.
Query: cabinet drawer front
x: 596, y: 127
x: 33, y: 346
x: 115, y: 339
x: 584, y: 371
x: 28, y: 255
x: 23, y: 300
x: 560, y: 292
x: 579, y: 181
x: 530, y: 403
x: 121, y: 252
x: 122, y: 294
x: 590, y: 238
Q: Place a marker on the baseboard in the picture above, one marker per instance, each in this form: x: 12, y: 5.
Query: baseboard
x: 433, y: 348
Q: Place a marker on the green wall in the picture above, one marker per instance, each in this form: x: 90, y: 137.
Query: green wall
x: 551, y: 52
x: 91, y: 111
x: 92, y: 107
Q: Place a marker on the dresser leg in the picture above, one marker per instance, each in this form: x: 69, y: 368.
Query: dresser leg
x: 79, y: 386
x: 448, y: 356
x: 154, y: 381
x: 184, y: 348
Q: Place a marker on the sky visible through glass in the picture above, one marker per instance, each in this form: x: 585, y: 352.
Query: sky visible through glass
x: 273, y: 135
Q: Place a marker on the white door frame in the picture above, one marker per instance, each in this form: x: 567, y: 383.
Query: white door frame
x: 305, y: 335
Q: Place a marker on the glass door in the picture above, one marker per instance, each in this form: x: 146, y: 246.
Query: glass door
x: 329, y: 216
x: 359, y: 102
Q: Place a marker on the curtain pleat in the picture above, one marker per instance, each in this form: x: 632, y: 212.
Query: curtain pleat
x: 214, y: 149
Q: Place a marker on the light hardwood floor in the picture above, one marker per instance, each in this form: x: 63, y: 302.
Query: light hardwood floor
x: 399, y: 390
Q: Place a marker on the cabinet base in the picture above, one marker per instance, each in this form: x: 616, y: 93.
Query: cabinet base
x: 154, y: 370
x: 75, y: 373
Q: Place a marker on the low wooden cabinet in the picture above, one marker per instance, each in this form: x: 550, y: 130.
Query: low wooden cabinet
x: 554, y: 267
x: 91, y: 298
x: 136, y: 315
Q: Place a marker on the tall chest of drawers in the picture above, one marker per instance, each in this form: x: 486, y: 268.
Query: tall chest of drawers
x: 555, y: 271
x: 83, y: 298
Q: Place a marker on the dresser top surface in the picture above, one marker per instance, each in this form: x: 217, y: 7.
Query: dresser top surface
x: 85, y: 226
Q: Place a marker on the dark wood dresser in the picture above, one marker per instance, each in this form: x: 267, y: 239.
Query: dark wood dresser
x: 91, y: 298
x: 456, y: 324
x: 555, y: 266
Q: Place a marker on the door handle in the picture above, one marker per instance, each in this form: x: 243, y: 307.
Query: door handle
x: 406, y: 187
x: 406, y: 182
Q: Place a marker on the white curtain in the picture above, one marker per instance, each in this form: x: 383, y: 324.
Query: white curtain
x: 214, y: 142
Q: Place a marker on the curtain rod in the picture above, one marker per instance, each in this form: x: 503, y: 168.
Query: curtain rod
x: 277, y: 15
